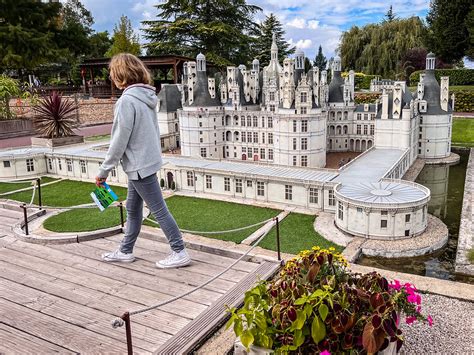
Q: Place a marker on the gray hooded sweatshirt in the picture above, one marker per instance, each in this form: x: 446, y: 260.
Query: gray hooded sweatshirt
x: 135, y: 138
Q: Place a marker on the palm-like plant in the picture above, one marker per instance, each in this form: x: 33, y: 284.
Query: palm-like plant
x: 55, y: 117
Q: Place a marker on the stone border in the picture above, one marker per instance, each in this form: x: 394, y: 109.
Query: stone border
x: 452, y: 159
x: 466, y: 228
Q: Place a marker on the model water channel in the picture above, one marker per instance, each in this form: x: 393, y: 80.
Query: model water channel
x: 446, y: 184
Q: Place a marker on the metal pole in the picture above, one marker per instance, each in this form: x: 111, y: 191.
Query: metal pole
x: 278, y: 238
x: 38, y: 182
x: 25, y: 216
x: 121, y: 215
x: 128, y: 331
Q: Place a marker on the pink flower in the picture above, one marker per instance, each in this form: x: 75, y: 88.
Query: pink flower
x: 430, y: 321
x: 411, y: 298
x: 325, y: 352
x: 418, y: 309
x: 410, y: 319
x: 395, y: 285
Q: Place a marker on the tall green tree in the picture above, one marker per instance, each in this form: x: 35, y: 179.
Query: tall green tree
x: 99, y: 42
x: 271, y: 25
x: 221, y: 29
x: 448, y: 32
x: 470, y: 27
x: 27, y: 34
x: 320, y: 61
x: 390, y: 15
x: 124, y: 39
x: 379, y: 48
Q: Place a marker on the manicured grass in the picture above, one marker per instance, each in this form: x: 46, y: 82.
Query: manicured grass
x: 296, y: 234
x: 7, y: 187
x: 99, y: 137
x: 83, y: 220
x: 65, y: 193
x: 463, y: 132
x: 461, y: 88
x: 209, y: 215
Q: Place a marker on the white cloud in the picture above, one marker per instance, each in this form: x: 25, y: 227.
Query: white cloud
x: 297, y: 22
x: 313, y: 24
x: 301, y: 44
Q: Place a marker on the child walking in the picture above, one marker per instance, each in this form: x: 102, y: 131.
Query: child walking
x: 135, y: 142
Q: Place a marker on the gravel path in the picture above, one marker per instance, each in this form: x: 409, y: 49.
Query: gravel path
x: 451, y: 333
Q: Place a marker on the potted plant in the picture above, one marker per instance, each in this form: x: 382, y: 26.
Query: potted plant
x: 317, y: 305
x: 55, y: 118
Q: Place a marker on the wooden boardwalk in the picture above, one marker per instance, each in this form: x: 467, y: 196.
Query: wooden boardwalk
x: 62, y: 298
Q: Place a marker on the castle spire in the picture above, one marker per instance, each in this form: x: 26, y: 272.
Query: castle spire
x: 274, y: 48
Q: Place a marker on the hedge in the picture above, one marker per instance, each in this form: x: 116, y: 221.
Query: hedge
x: 362, y: 81
x: 464, y: 101
x: 456, y: 76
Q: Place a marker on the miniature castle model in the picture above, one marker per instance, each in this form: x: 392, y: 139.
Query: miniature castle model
x: 262, y: 135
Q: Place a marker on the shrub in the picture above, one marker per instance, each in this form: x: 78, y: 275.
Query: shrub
x: 55, y: 116
x: 11, y: 88
x: 366, y: 97
x: 362, y: 81
x: 464, y: 101
x: 173, y: 185
x: 456, y: 76
x: 316, y: 305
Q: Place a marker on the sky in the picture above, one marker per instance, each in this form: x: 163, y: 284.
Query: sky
x: 308, y: 23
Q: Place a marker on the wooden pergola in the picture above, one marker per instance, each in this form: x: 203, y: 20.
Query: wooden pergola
x: 162, y: 63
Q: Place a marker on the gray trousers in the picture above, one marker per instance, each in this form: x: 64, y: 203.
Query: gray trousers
x: 148, y: 190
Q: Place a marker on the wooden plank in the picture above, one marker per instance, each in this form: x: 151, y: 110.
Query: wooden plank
x: 191, y: 336
x: 158, y: 319
x: 99, y: 246
x: 197, y: 255
x: 14, y: 341
x: 82, y: 316
x: 98, y: 274
x: 111, y: 286
x: 56, y: 331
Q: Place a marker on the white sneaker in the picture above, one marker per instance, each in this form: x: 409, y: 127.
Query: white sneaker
x: 175, y: 260
x: 117, y: 255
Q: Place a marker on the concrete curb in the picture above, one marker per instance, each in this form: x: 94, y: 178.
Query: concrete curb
x: 452, y: 159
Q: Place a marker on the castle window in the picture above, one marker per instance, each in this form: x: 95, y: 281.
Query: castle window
x: 340, y: 211
x: 69, y: 165
x: 201, y: 140
x: 294, y: 144
x: 113, y: 172
x: 270, y: 138
x: 272, y: 108
x: 294, y: 125
x: 208, y: 182
x: 345, y: 115
x: 190, y: 178
x: 262, y: 153
x: 304, y: 143
x: 331, y: 199
x: 333, y: 114
x: 226, y: 184
x: 82, y: 163
x: 255, y: 121
x: 359, y: 129
x: 260, y: 188
x: 50, y: 164
x: 242, y: 121
x: 249, y: 121
x: 372, y: 130
x: 407, y: 218
x: 271, y: 96
x: 270, y: 122
x: 383, y: 223
x: 288, y: 192
x: 203, y: 152
x: 244, y: 150
x: 313, y: 195
x: 263, y: 122
x: 383, y: 213
x: 270, y: 154
x: 304, y: 126
x: 162, y: 142
x: 366, y: 130
x: 263, y: 137
x: 303, y: 110
x: 359, y: 116
x: 295, y: 160
x: 304, y: 97
x: 244, y: 137
x: 366, y: 116
x: 238, y: 186
x: 30, y: 165
x: 6, y: 164
x: 200, y: 124
x: 372, y: 116
x: 255, y: 151
x: 304, y: 160
x: 359, y: 209
x: 249, y: 137
x: 249, y: 183
x: 255, y: 137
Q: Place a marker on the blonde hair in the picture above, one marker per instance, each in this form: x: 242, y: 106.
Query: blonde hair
x: 126, y: 69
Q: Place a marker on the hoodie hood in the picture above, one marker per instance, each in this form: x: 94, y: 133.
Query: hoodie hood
x: 144, y: 93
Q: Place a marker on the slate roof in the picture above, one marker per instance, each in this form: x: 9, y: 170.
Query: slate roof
x: 336, y: 88
x: 432, y: 94
x: 169, y: 98
x: 202, y: 97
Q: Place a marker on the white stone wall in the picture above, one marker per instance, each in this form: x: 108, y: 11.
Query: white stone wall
x: 435, y: 141
x: 18, y: 166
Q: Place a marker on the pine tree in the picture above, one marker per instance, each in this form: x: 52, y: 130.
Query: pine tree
x: 124, y: 39
x: 448, y: 30
x: 223, y: 30
x: 390, y: 15
x: 320, y: 60
x: 271, y: 25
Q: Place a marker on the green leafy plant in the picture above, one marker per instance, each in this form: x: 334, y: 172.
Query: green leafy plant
x: 173, y: 185
x: 55, y: 117
x: 12, y: 88
x: 316, y: 305
x: 456, y: 76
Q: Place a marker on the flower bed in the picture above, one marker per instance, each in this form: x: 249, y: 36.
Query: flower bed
x: 317, y: 305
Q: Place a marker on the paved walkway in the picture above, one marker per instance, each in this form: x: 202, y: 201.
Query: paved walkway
x: 86, y: 131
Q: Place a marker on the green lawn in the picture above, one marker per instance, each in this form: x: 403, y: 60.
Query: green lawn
x: 99, y: 137
x: 210, y: 215
x: 65, y: 193
x: 7, y: 187
x: 463, y: 132
x: 297, y: 233
x: 83, y: 220
x: 451, y: 88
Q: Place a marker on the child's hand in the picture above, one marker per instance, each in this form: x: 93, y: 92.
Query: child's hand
x: 99, y: 181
